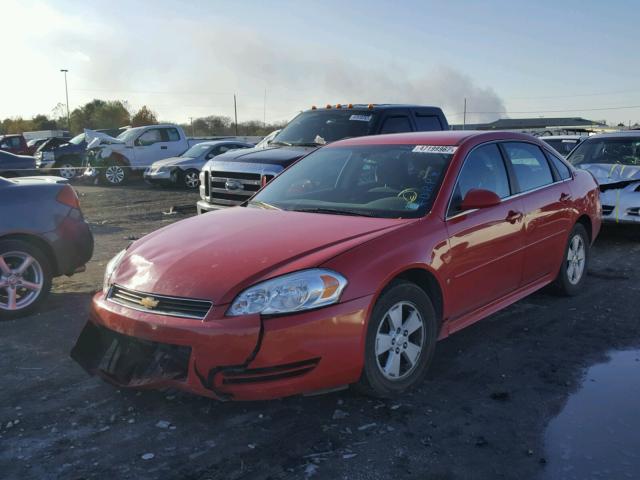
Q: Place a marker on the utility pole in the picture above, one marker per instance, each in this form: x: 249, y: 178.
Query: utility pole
x: 235, y: 110
x: 193, y: 134
x: 264, y: 110
x: 464, y: 115
x: 66, y: 91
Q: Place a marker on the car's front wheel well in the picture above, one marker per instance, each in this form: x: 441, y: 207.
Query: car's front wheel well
x: 40, y: 244
x: 429, y: 284
x: 585, y: 221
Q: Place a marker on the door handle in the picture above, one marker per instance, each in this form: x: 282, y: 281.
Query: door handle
x: 565, y: 197
x: 163, y: 147
x: 513, y: 216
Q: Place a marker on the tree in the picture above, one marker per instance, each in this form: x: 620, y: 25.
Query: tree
x: 100, y: 114
x: 144, y: 116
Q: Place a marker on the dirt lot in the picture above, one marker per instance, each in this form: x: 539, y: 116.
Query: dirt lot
x: 481, y: 413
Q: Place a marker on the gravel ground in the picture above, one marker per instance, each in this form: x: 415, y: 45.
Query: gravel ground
x: 481, y: 413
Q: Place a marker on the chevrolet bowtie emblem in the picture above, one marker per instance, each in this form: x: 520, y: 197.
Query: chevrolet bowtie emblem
x: 149, y: 302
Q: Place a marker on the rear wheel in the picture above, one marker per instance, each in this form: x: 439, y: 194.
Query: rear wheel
x: 573, y: 271
x: 401, y: 339
x: 25, y: 278
x: 191, y: 179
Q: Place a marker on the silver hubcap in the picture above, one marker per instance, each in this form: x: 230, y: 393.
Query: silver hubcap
x: 576, y: 257
x: 67, y: 171
x: 191, y: 179
x: 399, y: 341
x: 114, y: 174
x: 21, y: 280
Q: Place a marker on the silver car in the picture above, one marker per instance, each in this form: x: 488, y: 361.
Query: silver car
x: 563, y: 144
x: 184, y: 170
x: 614, y: 160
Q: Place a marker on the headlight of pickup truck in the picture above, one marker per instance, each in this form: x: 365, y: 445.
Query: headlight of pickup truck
x: 294, y: 292
x: 111, y: 268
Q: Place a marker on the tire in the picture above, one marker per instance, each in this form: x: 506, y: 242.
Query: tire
x: 573, y: 271
x: 380, y: 376
x: 114, y: 174
x: 24, y: 299
x: 190, y: 179
x: 68, y: 169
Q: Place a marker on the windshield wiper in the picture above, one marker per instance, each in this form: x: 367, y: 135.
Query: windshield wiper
x: 307, y: 144
x: 335, y: 211
x: 264, y: 205
x: 280, y: 142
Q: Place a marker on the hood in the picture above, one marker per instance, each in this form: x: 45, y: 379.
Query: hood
x: 606, y: 173
x: 95, y: 139
x: 276, y: 155
x: 38, y: 180
x: 216, y: 255
x: 175, y: 161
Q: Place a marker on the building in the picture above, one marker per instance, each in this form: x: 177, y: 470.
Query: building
x: 542, y: 126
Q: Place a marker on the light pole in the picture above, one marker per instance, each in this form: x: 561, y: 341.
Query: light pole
x: 66, y: 91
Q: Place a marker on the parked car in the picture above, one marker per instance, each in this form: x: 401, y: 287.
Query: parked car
x: 114, y: 160
x: 184, y: 170
x: 345, y: 269
x: 42, y: 235
x: 614, y: 160
x: 67, y: 158
x: 232, y: 178
x: 34, y: 143
x: 14, y: 143
x: 16, y: 165
x: 564, y: 143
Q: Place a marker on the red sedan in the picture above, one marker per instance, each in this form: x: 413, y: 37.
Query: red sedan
x: 345, y: 269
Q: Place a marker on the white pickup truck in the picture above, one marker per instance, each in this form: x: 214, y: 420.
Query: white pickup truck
x: 114, y: 160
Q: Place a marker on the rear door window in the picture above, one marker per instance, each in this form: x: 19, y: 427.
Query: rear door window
x: 529, y: 165
x: 172, y: 135
x: 150, y: 137
x: 397, y: 124
x: 428, y: 123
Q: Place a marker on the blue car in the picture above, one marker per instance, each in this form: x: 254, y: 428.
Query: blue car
x: 12, y: 165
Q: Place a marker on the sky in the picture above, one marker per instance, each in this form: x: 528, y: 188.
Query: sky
x: 187, y: 59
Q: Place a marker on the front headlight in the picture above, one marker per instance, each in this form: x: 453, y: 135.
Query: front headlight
x: 289, y: 293
x: 111, y: 267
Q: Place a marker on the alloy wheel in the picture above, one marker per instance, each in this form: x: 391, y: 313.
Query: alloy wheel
x: 21, y: 280
x: 191, y: 179
x: 114, y: 174
x: 400, y: 340
x: 576, y: 256
x: 67, y: 171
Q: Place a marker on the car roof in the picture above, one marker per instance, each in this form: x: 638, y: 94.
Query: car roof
x: 219, y: 142
x: 563, y: 137
x: 371, y: 106
x: 623, y: 134
x: 447, y: 137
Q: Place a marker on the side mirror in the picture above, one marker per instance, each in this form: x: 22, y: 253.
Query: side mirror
x: 478, y: 198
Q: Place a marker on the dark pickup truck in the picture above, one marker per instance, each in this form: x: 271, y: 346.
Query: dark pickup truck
x: 231, y: 178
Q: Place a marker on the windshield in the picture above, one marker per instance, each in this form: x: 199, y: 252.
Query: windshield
x: 624, y: 151
x: 128, y: 135
x: 197, y: 150
x: 78, y: 139
x: 393, y: 181
x: 561, y: 146
x: 317, y: 127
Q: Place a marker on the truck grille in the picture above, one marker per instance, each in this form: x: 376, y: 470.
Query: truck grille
x: 160, y: 304
x: 232, y: 188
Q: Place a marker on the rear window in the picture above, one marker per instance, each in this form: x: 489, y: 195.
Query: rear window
x: 428, y: 123
x: 563, y: 147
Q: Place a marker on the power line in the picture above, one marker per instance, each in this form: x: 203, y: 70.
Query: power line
x: 548, y: 111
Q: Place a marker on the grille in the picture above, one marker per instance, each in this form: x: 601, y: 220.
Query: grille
x: 607, y: 209
x: 248, y: 183
x: 634, y: 212
x: 172, y: 306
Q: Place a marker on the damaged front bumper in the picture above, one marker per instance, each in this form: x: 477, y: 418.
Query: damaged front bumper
x: 621, y: 205
x: 227, y: 358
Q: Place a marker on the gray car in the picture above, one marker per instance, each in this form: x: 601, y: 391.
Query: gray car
x: 614, y: 160
x: 42, y: 235
x: 12, y: 165
x: 184, y: 170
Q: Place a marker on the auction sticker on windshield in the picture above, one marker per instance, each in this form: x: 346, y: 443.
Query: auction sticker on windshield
x: 360, y: 118
x: 446, y: 149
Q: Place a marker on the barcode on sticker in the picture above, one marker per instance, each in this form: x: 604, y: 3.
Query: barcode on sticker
x: 360, y: 118
x: 446, y: 149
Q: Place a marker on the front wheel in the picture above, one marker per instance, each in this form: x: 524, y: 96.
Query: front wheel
x: 67, y: 170
x: 114, y: 174
x: 401, y: 340
x: 191, y: 179
x: 25, y: 278
x: 573, y: 271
